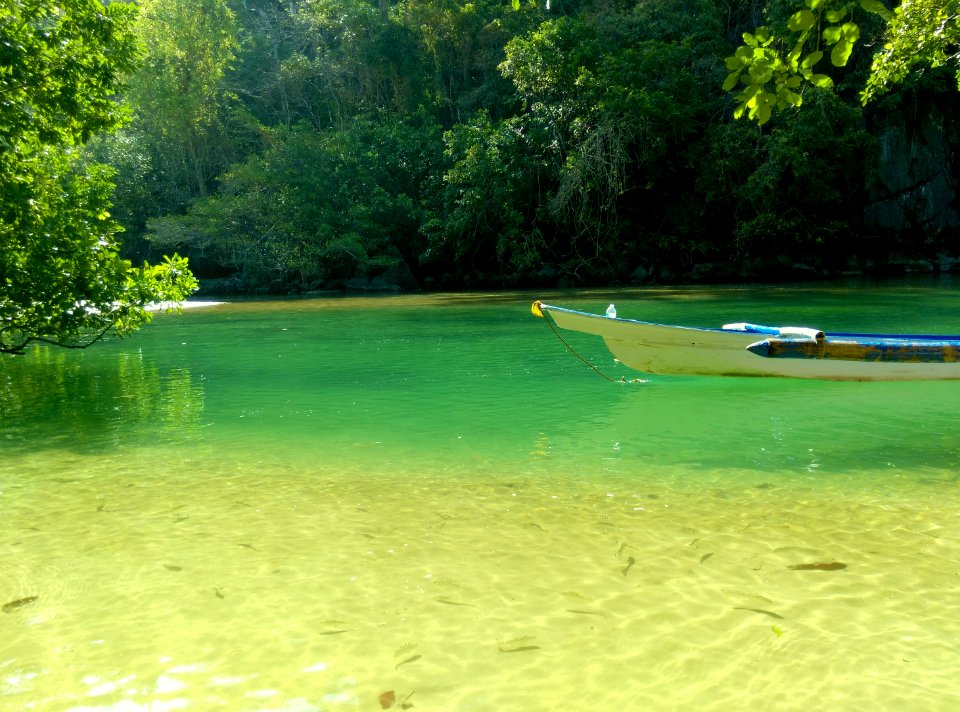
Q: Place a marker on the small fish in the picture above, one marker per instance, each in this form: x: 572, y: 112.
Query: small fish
x: 334, y: 632
x: 404, y: 649
x: 777, y: 631
x: 831, y: 566
x: 218, y: 592
x: 705, y: 557
x: 518, y: 645
x: 19, y: 603
x: 172, y: 567
x: 249, y: 546
x: 759, y: 610
x: 587, y: 613
x: 630, y: 562
x: 411, y: 659
x: 444, y: 599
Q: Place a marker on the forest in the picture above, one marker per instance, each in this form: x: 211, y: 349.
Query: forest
x: 291, y: 146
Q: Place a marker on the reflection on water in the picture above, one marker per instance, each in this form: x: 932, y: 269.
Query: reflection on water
x: 310, y: 505
x: 54, y: 398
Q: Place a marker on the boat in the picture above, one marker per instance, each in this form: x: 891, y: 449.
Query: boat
x: 745, y: 349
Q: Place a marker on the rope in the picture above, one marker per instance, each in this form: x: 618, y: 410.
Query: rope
x: 546, y: 318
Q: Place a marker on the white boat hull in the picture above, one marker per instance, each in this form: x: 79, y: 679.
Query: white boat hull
x: 666, y: 349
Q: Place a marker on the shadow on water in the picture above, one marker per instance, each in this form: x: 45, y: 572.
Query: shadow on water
x: 790, y: 427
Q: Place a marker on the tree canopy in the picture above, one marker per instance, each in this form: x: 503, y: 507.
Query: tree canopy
x: 61, y: 277
x: 302, y: 145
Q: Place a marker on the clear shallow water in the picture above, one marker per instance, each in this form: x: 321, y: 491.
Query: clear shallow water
x: 301, y: 505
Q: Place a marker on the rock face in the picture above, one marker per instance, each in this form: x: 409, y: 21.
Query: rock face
x: 915, y: 190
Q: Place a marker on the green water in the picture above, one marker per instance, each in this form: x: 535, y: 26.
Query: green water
x: 301, y: 505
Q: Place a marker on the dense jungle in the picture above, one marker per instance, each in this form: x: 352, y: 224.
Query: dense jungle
x: 291, y: 146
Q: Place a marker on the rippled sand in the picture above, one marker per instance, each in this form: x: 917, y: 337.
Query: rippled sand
x: 219, y: 584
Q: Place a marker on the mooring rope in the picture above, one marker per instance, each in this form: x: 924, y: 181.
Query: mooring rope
x: 546, y: 317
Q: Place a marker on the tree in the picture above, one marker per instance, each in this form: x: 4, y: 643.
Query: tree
x: 774, y: 67
x: 61, y: 278
x: 921, y: 32
x: 178, y: 93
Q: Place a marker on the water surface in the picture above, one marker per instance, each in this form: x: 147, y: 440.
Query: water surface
x: 302, y: 505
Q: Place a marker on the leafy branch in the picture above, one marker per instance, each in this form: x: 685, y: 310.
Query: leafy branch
x: 774, y: 70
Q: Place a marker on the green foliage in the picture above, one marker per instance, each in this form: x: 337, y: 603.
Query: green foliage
x: 774, y: 70
x: 485, y: 217
x: 794, y: 203
x: 178, y: 93
x: 61, y: 279
x: 305, y: 144
x: 316, y: 207
x: 921, y: 32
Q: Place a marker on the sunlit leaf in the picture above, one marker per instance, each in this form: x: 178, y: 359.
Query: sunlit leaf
x: 795, y: 53
x: 821, y: 80
x: 841, y: 53
x: 811, y: 59
x: 764, y: 35
x: 832, y: 35
x: 760, y: 73
x: 731, y: 81
x: 802, y: 20
x: 836, y: 15
x: 851, y: 32
x: 749, y: 39
x: 877, y: 8
x: 761, y: 114
x: 734, y: 63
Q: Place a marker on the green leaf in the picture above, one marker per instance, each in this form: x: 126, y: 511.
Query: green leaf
x: 821, y: 80
x: 764, y: 35
x: 793, y: 82
x: 877, y: 8
x: 734, y: 63
x: 813, y: 4
x: 731, y: 81
x: 836, y: 15
x: 760, y: 73
x: 749, y: 95
x: 750, y: 40
x: 801, y: 21
x: 761, y: 113
x: 851, y: 32
x: 841, y: 53
x: 832, y: 35
x: 516, y: 5
x: 811, y: 59
x: 795, y: 53
x: 794, y: 98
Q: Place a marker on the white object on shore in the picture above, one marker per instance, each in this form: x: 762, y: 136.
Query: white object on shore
x: 164, y: 306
